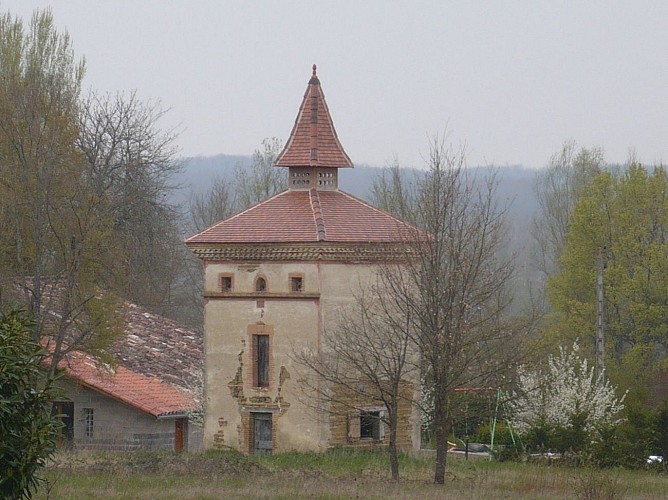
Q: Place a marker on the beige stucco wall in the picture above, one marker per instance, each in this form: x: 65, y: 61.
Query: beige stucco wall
x: 294, y: 320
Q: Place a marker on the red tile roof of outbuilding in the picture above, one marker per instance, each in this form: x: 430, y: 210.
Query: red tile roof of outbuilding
x: 147, y: 394
x: 313, y: 141
x: 307, y: 217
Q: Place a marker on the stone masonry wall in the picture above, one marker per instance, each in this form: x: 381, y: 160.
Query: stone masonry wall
x: 346, y: 405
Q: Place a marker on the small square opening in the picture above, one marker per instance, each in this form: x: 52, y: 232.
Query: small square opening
x: 226, y: 283
x: 296, y: 283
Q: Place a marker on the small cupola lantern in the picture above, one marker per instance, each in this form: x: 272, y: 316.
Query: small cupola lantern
x: 313, y: 152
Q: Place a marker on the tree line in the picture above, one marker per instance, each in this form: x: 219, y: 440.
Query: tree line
x: 85, y: 221
x: 85, y: 225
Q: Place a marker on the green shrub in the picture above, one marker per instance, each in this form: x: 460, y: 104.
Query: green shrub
x: 630, y: 443
x: 502, y: 434
x: 661, y: 424
x: 27, y: 429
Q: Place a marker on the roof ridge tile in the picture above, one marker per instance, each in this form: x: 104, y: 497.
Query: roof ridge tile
x: 317, y: 215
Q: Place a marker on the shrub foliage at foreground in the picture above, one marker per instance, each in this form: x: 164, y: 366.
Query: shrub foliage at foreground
x: 27, y: 428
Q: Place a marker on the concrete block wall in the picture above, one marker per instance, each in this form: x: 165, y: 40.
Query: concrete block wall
x: 117, y: 426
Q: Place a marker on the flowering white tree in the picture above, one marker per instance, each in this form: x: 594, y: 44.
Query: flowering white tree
x: 568, y: 391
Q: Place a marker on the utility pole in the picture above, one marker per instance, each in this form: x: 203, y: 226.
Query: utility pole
x: 600, y: 336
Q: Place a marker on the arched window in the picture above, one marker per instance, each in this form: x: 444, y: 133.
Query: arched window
x: 260, y: 285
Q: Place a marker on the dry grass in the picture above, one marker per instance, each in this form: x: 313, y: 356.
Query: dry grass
x: 336, y: 474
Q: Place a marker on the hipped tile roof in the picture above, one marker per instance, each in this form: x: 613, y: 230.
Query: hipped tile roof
x: 313, y: 141
x: 310, y: 215
x: 307, y: 217
x: 147, y: 394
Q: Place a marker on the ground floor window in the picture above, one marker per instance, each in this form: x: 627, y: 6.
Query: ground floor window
x: 366, y: 424
x: 89, y: 422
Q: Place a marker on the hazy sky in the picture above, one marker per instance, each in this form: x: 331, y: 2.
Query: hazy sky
x: 512, y: 80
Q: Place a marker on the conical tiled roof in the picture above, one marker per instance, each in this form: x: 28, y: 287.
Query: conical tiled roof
x: 313, y: 141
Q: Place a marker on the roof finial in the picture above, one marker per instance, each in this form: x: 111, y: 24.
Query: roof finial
x: 314, y: 71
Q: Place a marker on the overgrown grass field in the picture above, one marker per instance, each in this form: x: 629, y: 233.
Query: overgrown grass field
x: 335, y: 474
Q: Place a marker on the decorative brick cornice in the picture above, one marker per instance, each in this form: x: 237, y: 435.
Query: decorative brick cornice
x: 371, y: 253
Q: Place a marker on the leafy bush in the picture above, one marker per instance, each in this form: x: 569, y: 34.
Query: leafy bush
x: 27, y: 428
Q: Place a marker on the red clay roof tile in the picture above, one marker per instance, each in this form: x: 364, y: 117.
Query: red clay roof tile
x: 149, y: 395
x: 315, y: 215
x: 307, y: 217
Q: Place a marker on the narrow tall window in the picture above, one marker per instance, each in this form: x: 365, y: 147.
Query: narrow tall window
x: 261, y: 285
x: 89, y: 422
x: 261, y: 360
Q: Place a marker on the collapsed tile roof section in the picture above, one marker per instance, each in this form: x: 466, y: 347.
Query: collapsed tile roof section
x: 155, y: 346
x: 313, y: 141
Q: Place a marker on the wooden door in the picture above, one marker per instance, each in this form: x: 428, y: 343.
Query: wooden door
x: 262, y: 434
x: 64, y: 410
x: 180, y: 434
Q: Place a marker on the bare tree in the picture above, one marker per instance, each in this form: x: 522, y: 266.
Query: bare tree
x: 250, y: 185
x: 453, y: 288
x: 390, y: 191
x: 443, y: 304
x: 83, y: 191
x: 262, y: 179
x: 216, y: 204
x: 129, y: 165
x: 54, y: 247
x: 370, y: 348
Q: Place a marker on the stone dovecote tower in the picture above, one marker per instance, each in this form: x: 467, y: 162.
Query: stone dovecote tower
x: 275, y: 276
